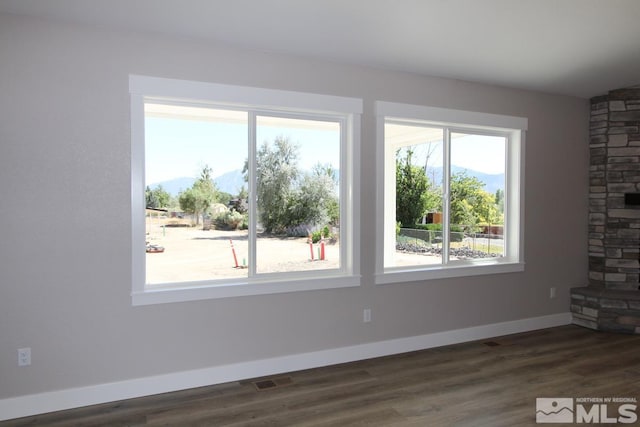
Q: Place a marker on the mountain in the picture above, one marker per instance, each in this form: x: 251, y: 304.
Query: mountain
x: 230, y: 182
x: 176, y: 185
x: 492, y: 181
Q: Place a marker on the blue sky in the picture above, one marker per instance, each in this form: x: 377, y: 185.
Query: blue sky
x: 480, y: 153
x: 180, y: 148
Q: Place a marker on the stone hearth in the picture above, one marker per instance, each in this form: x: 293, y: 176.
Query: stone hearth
x: 611, y: 301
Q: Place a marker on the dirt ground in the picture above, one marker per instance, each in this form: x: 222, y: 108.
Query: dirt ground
x: 193, y: 254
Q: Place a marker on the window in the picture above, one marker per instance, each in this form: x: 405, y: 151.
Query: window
x: 241, y: 191
x: 450, y: 193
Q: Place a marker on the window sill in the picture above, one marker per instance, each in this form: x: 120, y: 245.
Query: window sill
x: 418, y: 273
x: 167, y: 293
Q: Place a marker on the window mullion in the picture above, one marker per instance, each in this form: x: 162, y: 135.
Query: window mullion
x: 253, y: 204
x: 506, y: 226
x: 446, y: 199
x: 345, y: 192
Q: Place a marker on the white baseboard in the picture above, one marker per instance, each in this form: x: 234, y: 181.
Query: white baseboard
x: 40, y: 403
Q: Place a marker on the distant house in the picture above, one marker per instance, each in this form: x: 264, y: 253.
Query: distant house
x: 240, y: 205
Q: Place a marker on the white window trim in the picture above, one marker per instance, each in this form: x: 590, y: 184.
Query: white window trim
x: 144, y: 87
x: 515, y: 128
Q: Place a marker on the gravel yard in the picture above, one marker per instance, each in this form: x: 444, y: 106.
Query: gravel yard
x: 193, y: 254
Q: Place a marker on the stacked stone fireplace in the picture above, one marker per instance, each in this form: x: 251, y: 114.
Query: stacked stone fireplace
x: 611, y: 301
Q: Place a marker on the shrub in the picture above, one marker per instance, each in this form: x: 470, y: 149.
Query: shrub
x: 435, y: 232
x: 229, y: 220
x: 436, y: 227
x: 244, y: 225
x: 431, y: 227
x: 304, y: 230
x: 317, y: 235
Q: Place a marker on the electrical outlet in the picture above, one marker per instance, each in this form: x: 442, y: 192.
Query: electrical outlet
x: 24, y: 356
x: 552, y: 292
x: 366, y: 315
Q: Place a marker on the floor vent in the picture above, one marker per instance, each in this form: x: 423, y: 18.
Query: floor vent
x: 271, y: 383
x: 492, y: 343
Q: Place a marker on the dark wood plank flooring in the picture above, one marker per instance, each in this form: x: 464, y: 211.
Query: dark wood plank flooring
x: 470, y: 384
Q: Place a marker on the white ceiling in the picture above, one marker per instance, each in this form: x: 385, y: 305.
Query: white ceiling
x: 574, y: 47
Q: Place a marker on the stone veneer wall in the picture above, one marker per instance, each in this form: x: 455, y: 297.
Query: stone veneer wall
x: 612, y: 299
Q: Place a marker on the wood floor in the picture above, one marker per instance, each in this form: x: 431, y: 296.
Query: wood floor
x: 485, y: 383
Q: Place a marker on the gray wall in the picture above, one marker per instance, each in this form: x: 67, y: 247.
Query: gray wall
x: 65, y: 222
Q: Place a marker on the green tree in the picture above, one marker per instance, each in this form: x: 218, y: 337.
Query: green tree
x: 288, y: 198
x: 464, y: 193
x: 198, y: 199
x: 243, y: 194
x: 500, y: 200
x: 188, y: 200
x: 314, y: 202
x: 333, y: 210
x: 412, y: 190
x: 157, y: 197
x: 276, y: 173
x: 470, y: 204
x: 332, y: 203
x: 487, y: 209
x: 223, y: 197
x: 463, y: 215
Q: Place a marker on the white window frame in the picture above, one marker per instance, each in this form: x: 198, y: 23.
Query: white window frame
x: 512, y: 128
x: 257, y: 101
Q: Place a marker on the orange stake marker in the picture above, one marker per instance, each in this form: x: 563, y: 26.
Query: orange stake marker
x: 233, y: 251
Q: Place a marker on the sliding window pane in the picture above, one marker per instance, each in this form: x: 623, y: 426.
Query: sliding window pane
x: 196, y: 193
x: 298, y: 194
x: 413, y: 227
x: 477, y: 189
